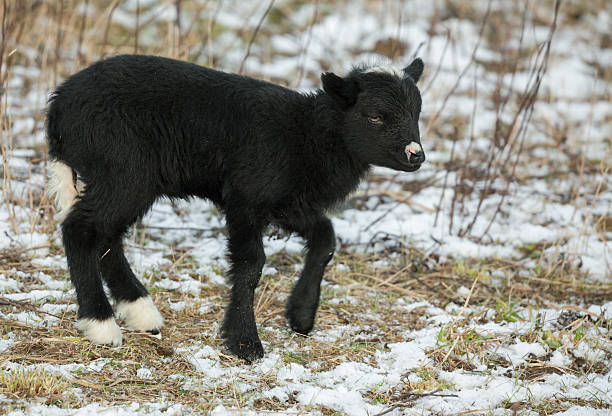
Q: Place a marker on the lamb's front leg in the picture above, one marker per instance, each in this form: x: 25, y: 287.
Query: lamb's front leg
x: 246, y: 255
x: 304, y: 299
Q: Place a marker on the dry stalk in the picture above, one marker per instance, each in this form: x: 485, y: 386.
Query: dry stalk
x: 525, y: 111
x: 456, y: 340
x: 413, y: 396
x: 254, y: 35
x: 438, y: 113
x: 304, y: 49
x: 501, y: 160
x: 137, y: 28
x: 109, y: 12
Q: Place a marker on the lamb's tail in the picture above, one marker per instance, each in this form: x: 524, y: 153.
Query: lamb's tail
x: 62, y: 187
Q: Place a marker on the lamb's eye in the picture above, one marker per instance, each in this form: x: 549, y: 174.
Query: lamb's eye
x: 375, y: 119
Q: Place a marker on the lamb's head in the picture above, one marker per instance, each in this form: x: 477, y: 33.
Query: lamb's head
x: 381, y: 110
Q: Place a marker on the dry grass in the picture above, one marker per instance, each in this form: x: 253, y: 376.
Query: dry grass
x: 32, y: 384
x: 371, y: 295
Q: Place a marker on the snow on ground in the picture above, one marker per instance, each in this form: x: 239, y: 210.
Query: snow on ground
x: 554, y: 219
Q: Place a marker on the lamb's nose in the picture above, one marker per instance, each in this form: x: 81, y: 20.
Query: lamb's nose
x: 415, y: 153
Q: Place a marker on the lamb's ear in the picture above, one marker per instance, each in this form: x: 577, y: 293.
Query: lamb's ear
x: 343, y: 91
x: 414, y: 70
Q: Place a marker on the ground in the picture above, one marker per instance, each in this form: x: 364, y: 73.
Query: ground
x: 480, y: 284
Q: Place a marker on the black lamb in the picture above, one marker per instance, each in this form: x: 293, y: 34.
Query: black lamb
x: 136, y: 128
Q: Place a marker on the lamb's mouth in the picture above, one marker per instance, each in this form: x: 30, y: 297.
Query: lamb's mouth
x: 404, y: 164
x: 411, y: 167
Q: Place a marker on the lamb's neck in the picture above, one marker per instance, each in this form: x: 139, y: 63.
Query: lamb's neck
x: 333, y: 170
x: 327, y: 136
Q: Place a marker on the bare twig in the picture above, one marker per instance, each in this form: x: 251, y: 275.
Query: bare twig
x: 527, y: 103
x: 137, y: 29
x: 437, y: 114
x: 467, y: 302
x: 82, y: 27
x: 24, y: 305
x: 254, y: 35
x: 111, y: 10
x: 304, y: 50
x: 413, y: 396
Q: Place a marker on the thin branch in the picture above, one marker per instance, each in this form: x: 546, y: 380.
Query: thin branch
x: 137, y: 29
x: 304, y: 51
x: 254, y: 35
x: 82, y: 27
x: 177, y: 22
x: 109, y: 19
x: 529, y: 103
x: 24, y: 305
x: 463, y: 72
x: 413, y: 396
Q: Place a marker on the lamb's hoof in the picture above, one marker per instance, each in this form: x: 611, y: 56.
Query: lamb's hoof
x: 301, y: 320
x: 105, y: 332
x: 141, y: 315
x: 246, y: 348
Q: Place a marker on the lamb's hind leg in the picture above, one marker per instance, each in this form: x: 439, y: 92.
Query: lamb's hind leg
x: 134, y: 304
x: 304, y: 299
x: 82, y: 243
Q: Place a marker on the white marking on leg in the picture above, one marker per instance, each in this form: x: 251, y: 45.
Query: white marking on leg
x: 100, y: 332
x: 141, y: 314
x: 61, y: 188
